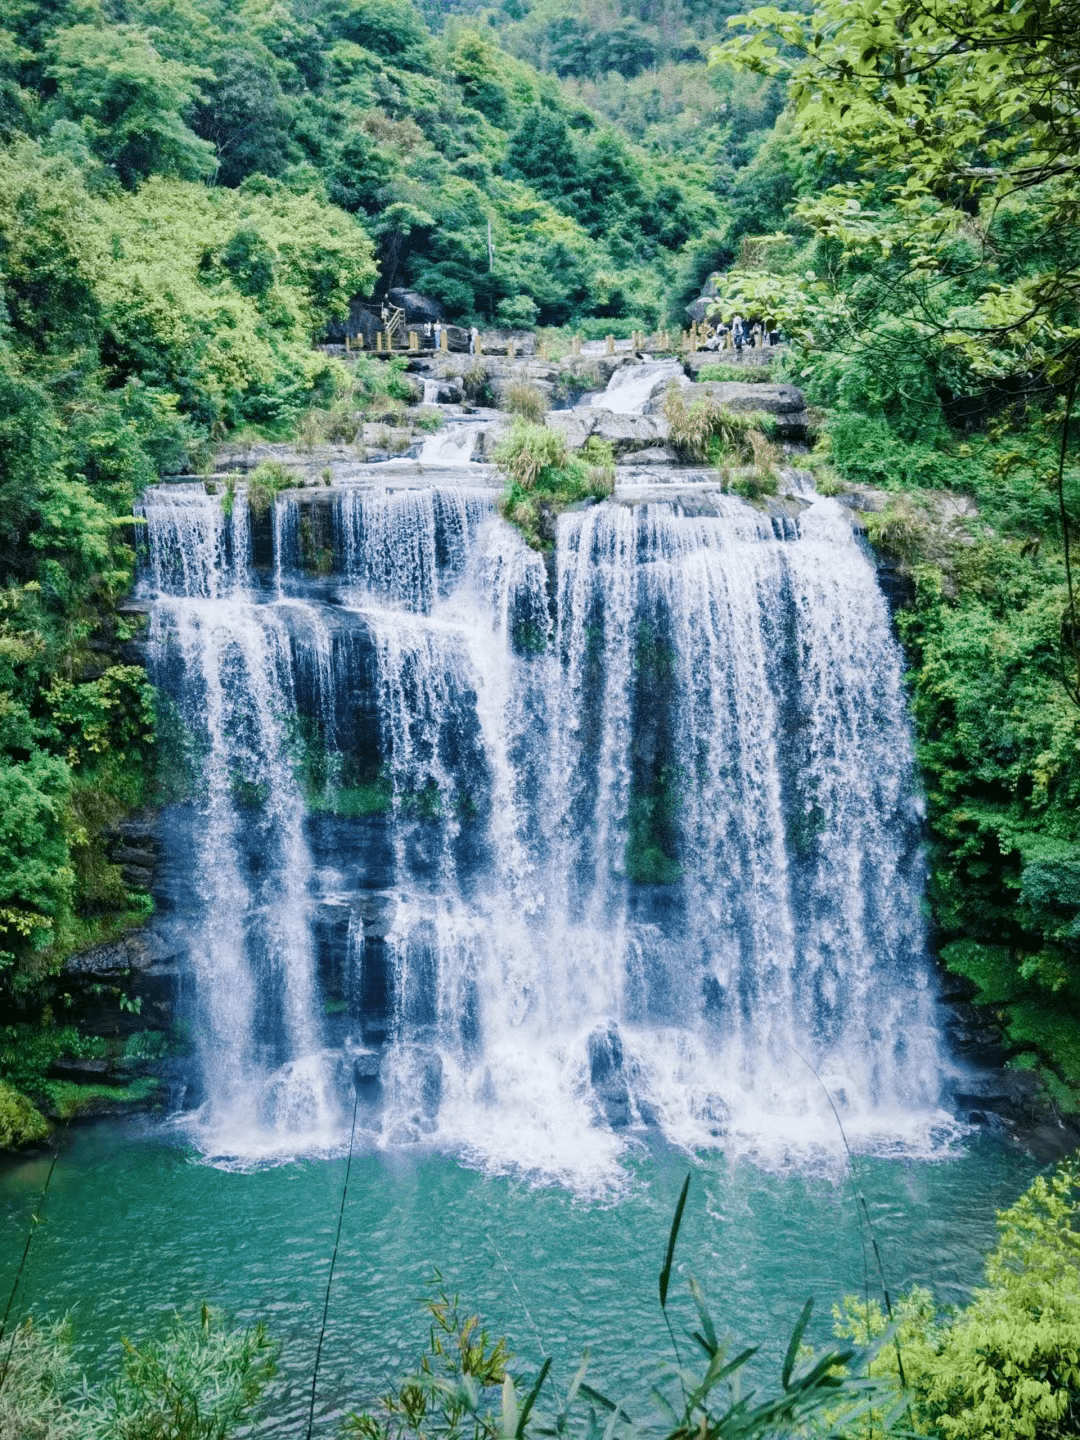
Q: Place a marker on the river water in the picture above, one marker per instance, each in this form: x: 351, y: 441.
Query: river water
x: 137, y: 1225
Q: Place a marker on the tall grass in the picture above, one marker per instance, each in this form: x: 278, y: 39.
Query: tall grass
x: 543, y: 478
x: 706, y: 432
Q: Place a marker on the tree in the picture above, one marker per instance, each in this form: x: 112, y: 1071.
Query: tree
x: 964, y: 124
x: 244, y: 115
x: 959, y: 236
x: 542, y: 152
x: 131, y: 102
x: 389, y: 28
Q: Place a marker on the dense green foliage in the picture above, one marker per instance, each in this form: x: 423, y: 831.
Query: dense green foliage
x: 200, y: 1382
x: 707, y: 432
x: 1009, y: 1362
x: 642, y: 66
x: 21, y: 1123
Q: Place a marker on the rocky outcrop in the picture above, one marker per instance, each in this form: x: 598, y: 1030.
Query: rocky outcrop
x: 607, y: 1077
x: 626, y: 434
x: 745, y: 359
x: 419, y: 309
x: 785, y: 403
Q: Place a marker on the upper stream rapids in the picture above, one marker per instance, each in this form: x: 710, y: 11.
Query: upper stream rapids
x: 542, y: 853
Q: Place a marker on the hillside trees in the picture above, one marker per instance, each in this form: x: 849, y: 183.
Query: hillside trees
x: 131, y: 103
x: 190, y: 191
x: 962, y: 217
x: 132, y: 323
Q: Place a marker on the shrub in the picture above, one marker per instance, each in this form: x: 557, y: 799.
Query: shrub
x: 199, y: 1383
x: 706, y: 431
x: 1009, y: 1363
x: 528, y: 401
x: 899, y: 530
x: 543, y: 479
x: 266, y: 482
x: 476, y: 382
x: 744, y: 374
x: 35, y: 1375
x: 21, y: 1123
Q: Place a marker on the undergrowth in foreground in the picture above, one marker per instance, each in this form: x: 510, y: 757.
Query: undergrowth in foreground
x: 1009, y: 1363
x: 1006, y: 1365
x: 543, y: 478
x: 201, y: 1382
x: 466, y: 1385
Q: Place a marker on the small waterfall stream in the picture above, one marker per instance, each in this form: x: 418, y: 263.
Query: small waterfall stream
x: 552, y: 852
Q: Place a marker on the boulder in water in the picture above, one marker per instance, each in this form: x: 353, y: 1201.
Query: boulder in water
x: 698, y: 310
x: 623, y: 432
x: 627, y: 433
x: 658, y: 455
x: 606, y: 1074
x: 450, y: 391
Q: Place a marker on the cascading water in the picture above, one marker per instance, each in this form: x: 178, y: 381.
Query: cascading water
x: 632, y: 385
x: 625, y: 841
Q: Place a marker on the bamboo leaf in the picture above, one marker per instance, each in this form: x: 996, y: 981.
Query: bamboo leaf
x: 665, y: 1273
x: 793, y: 1344
x: 596, y: 1398
x: 531, y: 1399
x: 709, y: 1342
x: 509, y: 1408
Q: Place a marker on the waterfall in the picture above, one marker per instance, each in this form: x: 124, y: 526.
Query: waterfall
x: 625, y: 839
x: 632, y: 385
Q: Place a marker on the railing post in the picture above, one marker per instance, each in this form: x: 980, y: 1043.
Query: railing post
x: 378, y: 341
x: 444, y: 339
x: 414, y: 340
x: 611, y: 344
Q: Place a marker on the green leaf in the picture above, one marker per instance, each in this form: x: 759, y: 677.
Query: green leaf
x: 665, y: 1273
x: 795, y: 1341
x: 708, y: 1341
x: 531, y: 1399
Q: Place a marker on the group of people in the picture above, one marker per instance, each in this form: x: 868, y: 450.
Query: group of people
x: 743, y: 333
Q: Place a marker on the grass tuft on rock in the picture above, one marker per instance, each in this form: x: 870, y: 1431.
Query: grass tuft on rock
x: 543, y: 479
